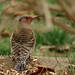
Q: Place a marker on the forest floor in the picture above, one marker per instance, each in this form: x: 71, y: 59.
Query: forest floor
x: 37, y: 66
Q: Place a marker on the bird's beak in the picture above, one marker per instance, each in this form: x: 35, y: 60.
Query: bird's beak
x: 36, y: 17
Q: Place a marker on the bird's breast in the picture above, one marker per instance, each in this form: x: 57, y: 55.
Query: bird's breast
x: 23, y: 35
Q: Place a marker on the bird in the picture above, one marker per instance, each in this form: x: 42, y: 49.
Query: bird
x: 23, y: 42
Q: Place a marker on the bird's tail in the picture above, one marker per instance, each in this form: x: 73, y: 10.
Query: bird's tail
x: 20, y: 66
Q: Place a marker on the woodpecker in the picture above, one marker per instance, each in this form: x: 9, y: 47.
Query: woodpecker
x: 23, y: 42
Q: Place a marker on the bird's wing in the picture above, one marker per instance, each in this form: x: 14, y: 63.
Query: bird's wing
x: 20, y: 52
x: 30, y: 45
x: 14, y: 44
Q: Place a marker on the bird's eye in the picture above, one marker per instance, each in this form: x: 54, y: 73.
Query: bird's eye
x: 26, y: 17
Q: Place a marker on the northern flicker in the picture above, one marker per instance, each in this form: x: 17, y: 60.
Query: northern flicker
x: 23, y: 42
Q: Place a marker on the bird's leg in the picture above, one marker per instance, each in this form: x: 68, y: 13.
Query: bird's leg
x: 30, y: 58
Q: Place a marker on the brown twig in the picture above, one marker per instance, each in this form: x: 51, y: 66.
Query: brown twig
x: 62, y: 47
x: 11, y: 5
x: 55, y: 8
x: 4, y: 33
x: 70, y: 2
x: 43, y: 70
x: 64, y: 26
x: 66, y: 9
x: 46, y: 11
x: 48, y: 47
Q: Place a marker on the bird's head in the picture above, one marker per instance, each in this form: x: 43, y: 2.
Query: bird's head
x: 27, y: 19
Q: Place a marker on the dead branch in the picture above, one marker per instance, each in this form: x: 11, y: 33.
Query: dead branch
x: 46, y: 11
x: 55, y: 8
x: 4, y: 33
x: 64, y: 26
x: 70, y: 2
x: 63, y: 47
x: 63, y: 8
x: 47, y: 47
x: 66, y: 9
x: 48, y: 18
x: 11, y: 5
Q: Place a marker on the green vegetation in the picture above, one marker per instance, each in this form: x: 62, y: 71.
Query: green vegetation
x: 57, y: 37
x: 4, y: 46
x: 52, y: 1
